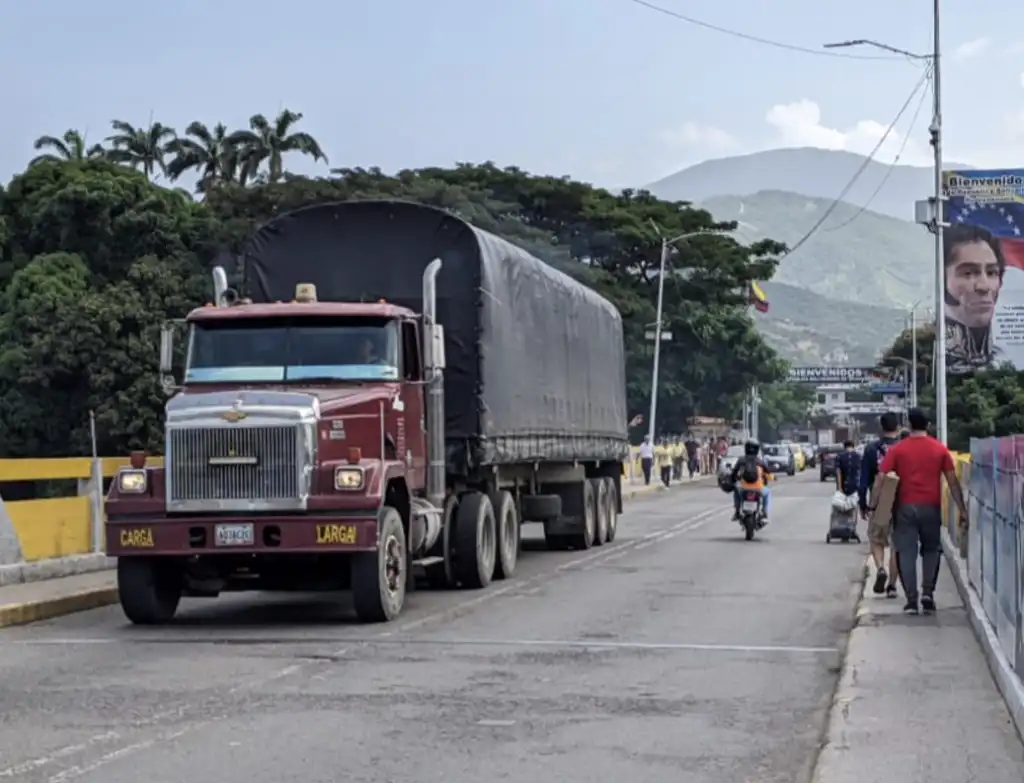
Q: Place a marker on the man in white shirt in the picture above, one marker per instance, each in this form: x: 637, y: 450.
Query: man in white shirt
x: 647, y: 458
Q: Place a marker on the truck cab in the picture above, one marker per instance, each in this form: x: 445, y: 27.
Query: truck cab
x: 298, y: 432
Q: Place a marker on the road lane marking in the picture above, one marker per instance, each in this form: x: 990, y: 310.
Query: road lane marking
x: 605, y: 554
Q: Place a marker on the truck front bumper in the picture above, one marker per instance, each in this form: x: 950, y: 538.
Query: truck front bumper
x: 270, y: 535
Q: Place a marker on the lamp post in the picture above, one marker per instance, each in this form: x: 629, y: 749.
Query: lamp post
x: 930, y: 213
x: 658, y: 335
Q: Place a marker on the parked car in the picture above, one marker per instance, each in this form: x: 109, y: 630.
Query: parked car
x: 810, y: 455
x: 779, y: 458
x: 798, y: 455
x: 827, y: 461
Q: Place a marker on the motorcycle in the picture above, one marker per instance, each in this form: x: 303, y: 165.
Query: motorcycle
x: 751, y: 507
x: 751, y: 512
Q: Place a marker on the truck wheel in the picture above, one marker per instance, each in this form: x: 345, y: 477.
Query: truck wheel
x: 600, y: 511
x: 507, y: 526
x: 475, y: 540
x: 149, y: 589
x: 378, y: 578
x: 585, y: 537
x: 612, y: 499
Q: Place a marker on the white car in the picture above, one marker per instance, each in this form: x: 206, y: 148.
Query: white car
x: 729, y: 460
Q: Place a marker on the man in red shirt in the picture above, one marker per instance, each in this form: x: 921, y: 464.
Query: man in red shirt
x: 921, y: 462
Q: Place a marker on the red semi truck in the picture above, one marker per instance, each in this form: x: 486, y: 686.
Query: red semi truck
x: 391, y: 394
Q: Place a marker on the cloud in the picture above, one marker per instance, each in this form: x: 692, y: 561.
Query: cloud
x: 703, y: 138
x: 968, y: 50
x: 799, y: 124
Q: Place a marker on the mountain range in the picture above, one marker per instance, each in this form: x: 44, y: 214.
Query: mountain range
x: 855, y: 266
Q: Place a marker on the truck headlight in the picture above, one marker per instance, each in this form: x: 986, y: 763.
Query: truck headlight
x: 348, y: 478
x: 132, y: 482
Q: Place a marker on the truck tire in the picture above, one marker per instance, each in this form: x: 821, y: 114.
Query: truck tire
x: 600, y: 511
x: 507, y: 528
x: 379, y: 578
x: 149, y: 589
x: 475, y: 540
x: 612, y: 498
x: 584, y: 537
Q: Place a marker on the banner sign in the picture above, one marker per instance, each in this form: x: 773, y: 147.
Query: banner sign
x: 984, y: 268
x: 859, y: 375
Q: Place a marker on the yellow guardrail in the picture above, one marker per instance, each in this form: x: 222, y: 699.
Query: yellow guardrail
x: 54, y: 527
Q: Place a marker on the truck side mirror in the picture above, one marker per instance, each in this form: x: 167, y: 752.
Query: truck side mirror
x: 433, y: 347
x: 167, y: 349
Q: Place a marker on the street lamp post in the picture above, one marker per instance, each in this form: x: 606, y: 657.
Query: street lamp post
x: 934, y: 218
x: 665, y: 247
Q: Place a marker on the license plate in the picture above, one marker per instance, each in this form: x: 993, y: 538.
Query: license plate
x: 750, y: 506
x: 235, y: 535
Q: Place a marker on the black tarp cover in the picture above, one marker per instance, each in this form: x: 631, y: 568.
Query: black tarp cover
x: 535, y: 360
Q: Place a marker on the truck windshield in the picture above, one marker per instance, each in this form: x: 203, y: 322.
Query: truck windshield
x: 299, y: 349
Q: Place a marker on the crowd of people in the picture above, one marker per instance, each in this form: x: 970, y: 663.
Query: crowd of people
x: 670, y: 458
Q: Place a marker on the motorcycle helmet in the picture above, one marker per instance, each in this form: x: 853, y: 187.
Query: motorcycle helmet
x: 751, y: 448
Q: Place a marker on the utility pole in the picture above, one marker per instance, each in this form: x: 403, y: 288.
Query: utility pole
x: 930, y: 212
x: 658, y: 335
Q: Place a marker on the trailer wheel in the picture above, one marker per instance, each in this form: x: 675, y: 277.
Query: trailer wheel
x: 149, y: 589
x: 507, y: 527
x: 378, y: 578
x: 475, y: 540
x: 612, y: 499
x: 585, y: 537
x: 600, y: 511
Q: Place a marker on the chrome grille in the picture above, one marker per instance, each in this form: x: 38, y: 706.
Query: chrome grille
x: 273, y: 474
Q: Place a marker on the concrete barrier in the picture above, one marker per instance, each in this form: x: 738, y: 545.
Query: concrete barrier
x: 52, y: 537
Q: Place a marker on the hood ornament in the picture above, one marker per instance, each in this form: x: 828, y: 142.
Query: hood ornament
x: 236, y: 413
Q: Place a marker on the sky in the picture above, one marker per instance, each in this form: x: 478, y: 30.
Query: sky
x: 608, y: 91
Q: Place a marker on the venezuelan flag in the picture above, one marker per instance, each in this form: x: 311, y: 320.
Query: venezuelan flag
x: 758, y: 298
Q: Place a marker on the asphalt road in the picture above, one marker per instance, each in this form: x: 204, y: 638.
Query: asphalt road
x: 680, y: 652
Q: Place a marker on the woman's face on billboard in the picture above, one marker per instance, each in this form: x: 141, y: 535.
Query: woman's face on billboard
x: 973, y: 280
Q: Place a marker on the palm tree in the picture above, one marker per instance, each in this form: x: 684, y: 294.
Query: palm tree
x: 140, y: 148
x: 70, y: 146
x: 208, y: 152
x: 268, y: 142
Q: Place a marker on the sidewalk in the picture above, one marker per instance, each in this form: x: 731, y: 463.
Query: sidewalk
x: 30, y: 602
x: 916, y: 701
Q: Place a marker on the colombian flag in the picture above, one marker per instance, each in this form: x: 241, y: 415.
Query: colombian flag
x: 758, y: 298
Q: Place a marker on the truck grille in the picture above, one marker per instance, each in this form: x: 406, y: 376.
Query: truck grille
x: 256, y: 463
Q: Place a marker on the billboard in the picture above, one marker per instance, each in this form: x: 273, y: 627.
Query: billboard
x: 851, y: 375
x: 984, y: 268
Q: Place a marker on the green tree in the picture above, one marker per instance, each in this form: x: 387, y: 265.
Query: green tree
x: 783, y: 405
x: 268, y: 142
x: 209, y: 153
x: 141, y: 148
x: 70, y: 146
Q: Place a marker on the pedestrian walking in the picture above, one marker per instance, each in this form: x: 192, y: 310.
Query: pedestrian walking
x: 879, y: 527
x: 921, y: 462
x: 663, y: 462
x: 692, y: 455
x: 647, y: 458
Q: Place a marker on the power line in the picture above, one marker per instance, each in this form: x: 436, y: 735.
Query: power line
x: 856, y: 175
x: 758, y: 39
x: 895, y: 162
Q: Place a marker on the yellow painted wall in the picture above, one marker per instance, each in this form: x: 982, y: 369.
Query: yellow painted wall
x: 55, y: 527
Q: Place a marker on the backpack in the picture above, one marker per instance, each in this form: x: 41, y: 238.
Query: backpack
x: 750, y: 473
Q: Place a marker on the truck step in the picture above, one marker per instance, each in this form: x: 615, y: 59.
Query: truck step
x: 423, y: 562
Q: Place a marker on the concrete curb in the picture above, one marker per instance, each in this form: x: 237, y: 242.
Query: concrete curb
x: 53, y: 568
x: 834, y: 739
x: 83, y: 601
x: 48, y: 608
x: 1006, y: 679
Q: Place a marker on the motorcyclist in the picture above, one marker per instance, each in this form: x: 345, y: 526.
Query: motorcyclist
x: 749, y: 465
